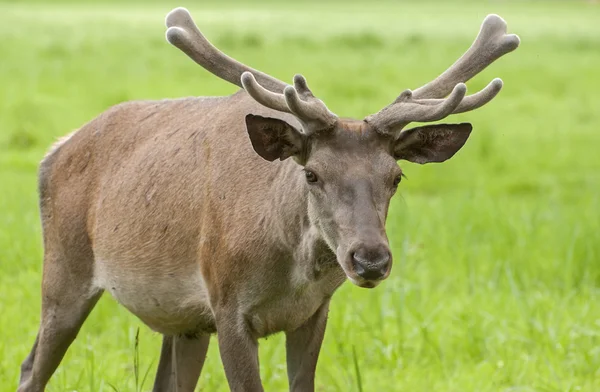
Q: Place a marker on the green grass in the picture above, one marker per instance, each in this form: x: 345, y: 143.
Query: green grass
x: 496, y: 283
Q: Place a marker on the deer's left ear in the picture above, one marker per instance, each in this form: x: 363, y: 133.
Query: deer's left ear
x: 431, y: 143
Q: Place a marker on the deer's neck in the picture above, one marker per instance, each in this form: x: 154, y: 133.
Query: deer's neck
x: 288, y: 216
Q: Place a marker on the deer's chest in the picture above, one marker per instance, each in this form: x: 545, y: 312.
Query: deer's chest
x: 291, y: 306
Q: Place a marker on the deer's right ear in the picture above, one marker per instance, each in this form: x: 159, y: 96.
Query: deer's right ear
x: 273, y: 138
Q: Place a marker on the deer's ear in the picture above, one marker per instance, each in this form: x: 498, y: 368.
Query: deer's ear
x: 273, y: 138
x: 431, y: 143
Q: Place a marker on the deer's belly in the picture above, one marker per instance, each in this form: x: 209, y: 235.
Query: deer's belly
x: 171, y: 303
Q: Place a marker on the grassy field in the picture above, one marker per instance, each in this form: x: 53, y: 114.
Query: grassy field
x: 496, y: 284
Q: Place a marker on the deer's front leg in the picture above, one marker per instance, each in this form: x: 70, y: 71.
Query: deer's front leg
x: 239, y: 354
x: 302, y: 348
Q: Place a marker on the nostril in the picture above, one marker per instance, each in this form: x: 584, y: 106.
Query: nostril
x: 358, y: 258
x: 388, y: 259
x: 358, y: 268
x: 371, y: 267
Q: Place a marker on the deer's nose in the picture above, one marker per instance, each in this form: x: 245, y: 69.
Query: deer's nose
x: 371, y: 263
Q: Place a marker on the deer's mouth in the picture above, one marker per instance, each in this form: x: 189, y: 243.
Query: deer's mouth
x: 365, y: 284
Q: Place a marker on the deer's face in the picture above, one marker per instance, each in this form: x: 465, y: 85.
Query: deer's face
x: 350, y: 174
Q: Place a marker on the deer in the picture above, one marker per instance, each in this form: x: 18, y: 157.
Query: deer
x: 238, y: 216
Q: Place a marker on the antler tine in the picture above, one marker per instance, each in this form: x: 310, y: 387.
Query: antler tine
x: 491, y: 43
x: 311, y: 112
x: 183, y: 33
x: 406, y: 110
x: 262, y: 95
x: 473, y: 101
x: 301, y: 87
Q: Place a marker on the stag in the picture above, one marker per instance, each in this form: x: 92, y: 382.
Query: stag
x: 179, y: 210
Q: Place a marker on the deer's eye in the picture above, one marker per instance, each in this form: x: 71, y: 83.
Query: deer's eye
x: 310, y: 176
x: 397, y: 180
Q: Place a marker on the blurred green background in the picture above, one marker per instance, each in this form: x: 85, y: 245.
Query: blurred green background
x: 497, y: 252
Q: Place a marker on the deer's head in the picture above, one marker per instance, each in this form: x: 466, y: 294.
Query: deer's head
x: 350, y: 166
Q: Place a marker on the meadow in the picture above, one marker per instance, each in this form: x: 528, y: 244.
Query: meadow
x: 496, y: 281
